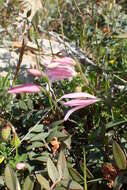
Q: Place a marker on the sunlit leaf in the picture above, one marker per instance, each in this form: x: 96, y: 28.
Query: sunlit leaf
x: 43, y: 182
x: 62, y: 166
x: 10, y: 178
x: 75, y: 175
x: 1, y: 159
x: 29, y: 183
x: 119, y: 156
x: 72, y: 185
x: 52, y: 170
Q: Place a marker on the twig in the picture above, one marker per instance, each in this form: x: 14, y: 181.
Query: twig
x: 61, y: 23
x: 43, y: 5
x: 54, y: 184
x: 20, y: 60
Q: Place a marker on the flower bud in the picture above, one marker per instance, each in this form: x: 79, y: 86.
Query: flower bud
x: 21, y: 166
x: 6, y: 131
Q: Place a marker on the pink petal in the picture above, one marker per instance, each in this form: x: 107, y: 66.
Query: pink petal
x: 54, y: 65
x: 71, y: 111
x: 62, y: 72
x: 59, y: 74
x: 64, y: 60
x: 20, y: 166
x: 78, y: 95
x: 34, y: 72
x: 79, y: 102
x: 27, y: 88
x: 61, y: 62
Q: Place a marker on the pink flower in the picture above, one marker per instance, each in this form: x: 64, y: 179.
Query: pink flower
x: 21, y: 166
x: 59, y: 69
x: 35, y: 72
x: 27, y: 88
x: 79, y: 100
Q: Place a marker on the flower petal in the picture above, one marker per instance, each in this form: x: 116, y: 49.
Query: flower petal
x: 78, y: 95
x: 27, y: 88
x: 59, y: 74
x: 71, y: 111
x: 20, y: 166
x: 34, y: 72
x: 65, y: 60
x: 80, y: 102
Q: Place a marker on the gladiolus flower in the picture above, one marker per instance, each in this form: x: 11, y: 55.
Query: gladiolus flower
x: 35, y: 72
x: 79, y: 100
x: 27, y: 88
x: 21, y: 166
x: 59, y: 69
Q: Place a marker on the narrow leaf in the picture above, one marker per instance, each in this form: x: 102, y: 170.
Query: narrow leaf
x: 52, y: 170
x: 62, y: 166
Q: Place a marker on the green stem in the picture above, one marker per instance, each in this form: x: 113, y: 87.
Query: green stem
x: 85, y: 175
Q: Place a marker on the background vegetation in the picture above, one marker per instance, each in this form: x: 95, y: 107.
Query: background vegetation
x: 89, y: 150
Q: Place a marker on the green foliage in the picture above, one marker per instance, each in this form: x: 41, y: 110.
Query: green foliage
x: 32, y: 130
x: 43, y: 182
x: 10, y: 178
x: 29, y: 183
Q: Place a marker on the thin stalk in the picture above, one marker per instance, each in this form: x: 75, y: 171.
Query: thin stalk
x: 20, y: 61
x: 61, y: 23
x: 43, y: 5
x: 85, y: 176
x: 82, y: 74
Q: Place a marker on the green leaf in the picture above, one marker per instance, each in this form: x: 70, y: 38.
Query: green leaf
x: 39, y: 137
x: 75, y: 175
x: 115, y: 124
x: 62, y: 166
x: 119, y: 156
x: 43, y: 182
x: 30, y: 104
x: 35, y: 144
x: 52, y: 170
x: 67, y: 142
x: 40, y: 157
x: 22, y: 105
x: 118, y: 182
x: 72, y: 185
x: 29, y: 183
x: 52, y: 134
x: 10, y: 178
x: 1, y: 181
x: 38, y: 129
x: 60, y: 188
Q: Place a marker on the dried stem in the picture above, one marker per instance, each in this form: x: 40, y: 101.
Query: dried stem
x: 20, y: 60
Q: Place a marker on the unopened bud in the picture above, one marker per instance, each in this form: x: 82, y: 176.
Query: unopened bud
x: 21, y: 166
x: 6, y: 131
